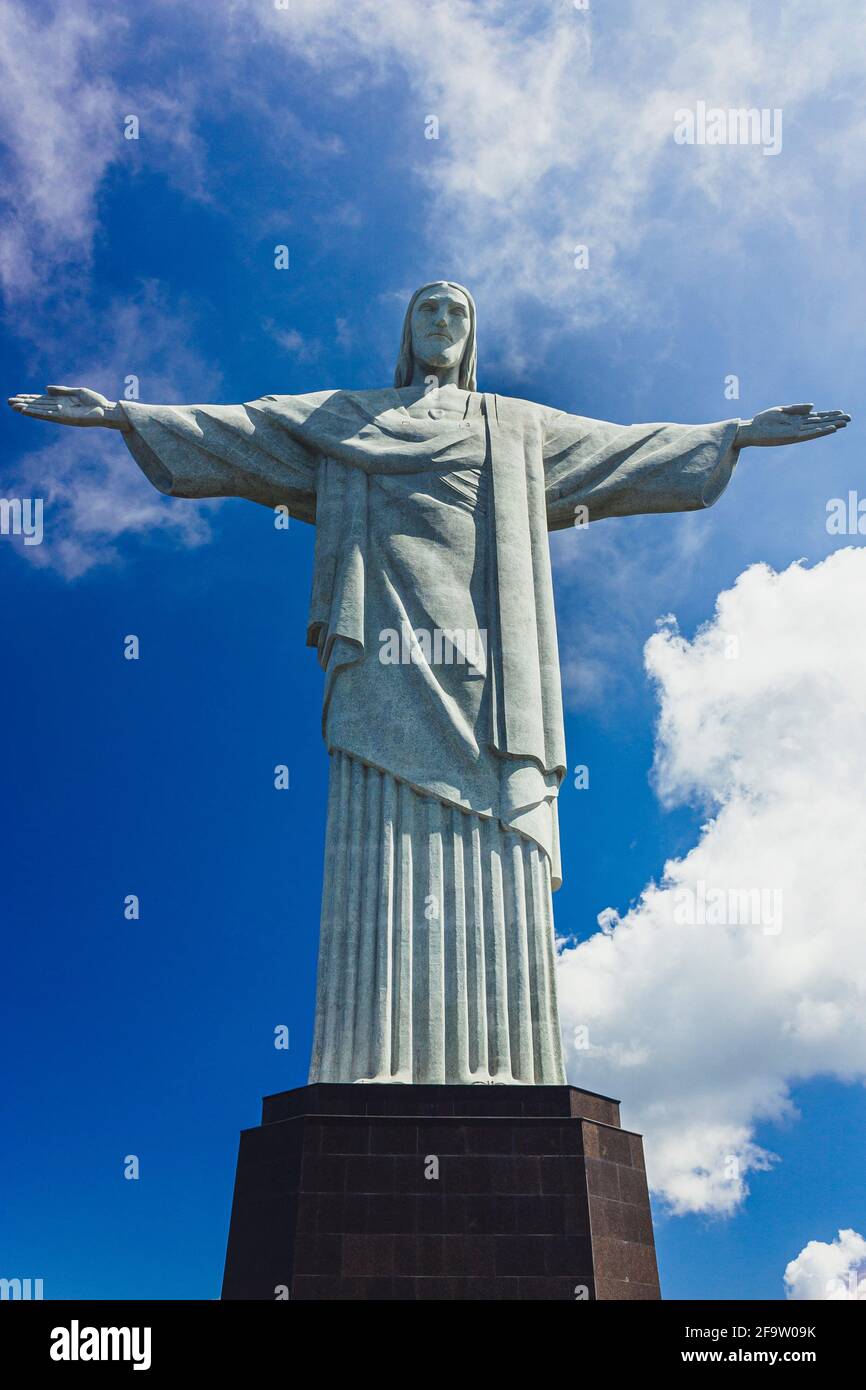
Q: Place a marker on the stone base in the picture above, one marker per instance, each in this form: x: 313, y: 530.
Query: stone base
x: 539, y: 1194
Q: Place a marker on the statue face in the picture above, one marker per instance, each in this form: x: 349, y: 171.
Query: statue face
x: 440, y: 327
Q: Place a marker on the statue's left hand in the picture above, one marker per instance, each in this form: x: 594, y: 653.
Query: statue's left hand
x: 789, y: 424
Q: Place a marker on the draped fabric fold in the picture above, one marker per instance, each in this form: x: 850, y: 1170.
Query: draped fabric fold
x: 390, y: 490
x: 432, y: 615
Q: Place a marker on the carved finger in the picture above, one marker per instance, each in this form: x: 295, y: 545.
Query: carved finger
x: 818, y: 433
x: 823, y: 423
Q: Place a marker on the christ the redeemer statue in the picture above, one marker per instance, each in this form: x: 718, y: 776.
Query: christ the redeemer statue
x: 432, y: 615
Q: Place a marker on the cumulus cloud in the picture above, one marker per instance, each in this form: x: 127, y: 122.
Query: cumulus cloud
x: 829, y: 1271
x: 743, y: 970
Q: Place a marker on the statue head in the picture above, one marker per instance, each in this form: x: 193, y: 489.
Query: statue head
x: 439, y: 333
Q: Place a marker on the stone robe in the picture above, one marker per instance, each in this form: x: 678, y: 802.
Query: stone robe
x: 432, y: 615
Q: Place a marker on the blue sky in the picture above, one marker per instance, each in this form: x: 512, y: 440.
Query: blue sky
x: 155, y: 257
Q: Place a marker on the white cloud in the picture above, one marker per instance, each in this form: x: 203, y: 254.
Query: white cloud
x: 831, y: 1272
x: 556, y: 129
x: 93, y: 491
x: 291, y: 341
x: 94, y: 494
x: 62, y: 112
x: 703, y: 1029
x: 60, y: 128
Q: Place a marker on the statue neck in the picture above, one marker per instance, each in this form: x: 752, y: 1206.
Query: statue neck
x: 445, y: 376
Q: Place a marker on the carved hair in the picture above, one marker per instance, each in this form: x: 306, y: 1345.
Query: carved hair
x: 466, y: 377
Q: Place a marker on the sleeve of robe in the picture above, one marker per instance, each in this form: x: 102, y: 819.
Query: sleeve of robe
x: 225, y: 451
x: 627, y: 470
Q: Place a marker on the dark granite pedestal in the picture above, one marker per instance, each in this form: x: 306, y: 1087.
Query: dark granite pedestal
x: 539, y: 1194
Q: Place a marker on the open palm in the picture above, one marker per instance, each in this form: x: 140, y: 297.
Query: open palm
x: 789, y: 424
x: 68, y: 405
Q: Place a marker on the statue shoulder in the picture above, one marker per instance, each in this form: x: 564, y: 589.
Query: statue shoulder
x: 311, y: 398
x: 318, y: 411
x: 550, y: 417
x: 530, y: 412
x: 337, y: 401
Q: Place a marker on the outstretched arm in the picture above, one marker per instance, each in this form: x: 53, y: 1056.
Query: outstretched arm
x: 198, y: 450
x: 594, y: 469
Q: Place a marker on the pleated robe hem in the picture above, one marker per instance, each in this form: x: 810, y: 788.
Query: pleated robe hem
x: 436, y: 959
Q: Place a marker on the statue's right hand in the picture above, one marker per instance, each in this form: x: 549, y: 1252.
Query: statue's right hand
x: 69, y: 405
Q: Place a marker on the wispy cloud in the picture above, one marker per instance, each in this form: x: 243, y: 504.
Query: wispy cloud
x: 291, y: 341
x: 556, y: 129
x: 94, y: 494
x: 63, y: 107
